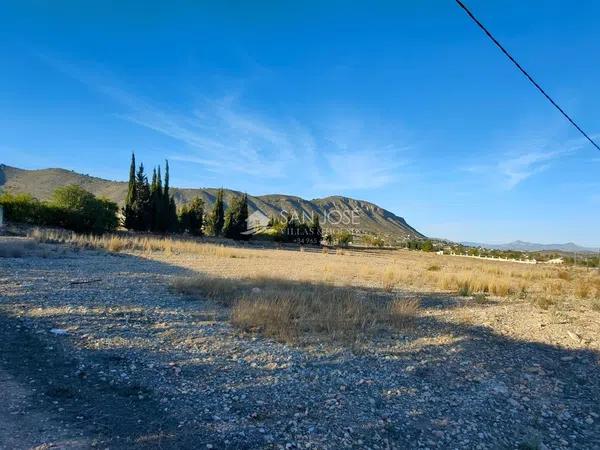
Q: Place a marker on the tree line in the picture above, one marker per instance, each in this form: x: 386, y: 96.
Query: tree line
x: 150, y: 206
x: 70, y: 207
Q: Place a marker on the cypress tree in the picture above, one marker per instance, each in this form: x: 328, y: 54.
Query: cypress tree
x: 169, y: 207
x: 142, y: 205
x: 165, y: 200
x: 154, y: 199
x: 218, y: 214
x: 244, y: 214
x: 129, y: 219
x: 159, y: 187
x: 166, y: 189
x: 131, y: 187
x: 152, y: 202
x: 173, y: 223
x: 159, y: 204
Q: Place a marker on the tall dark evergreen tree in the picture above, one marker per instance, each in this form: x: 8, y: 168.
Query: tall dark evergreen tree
x: 129, y: 219
x: 166, y: 188
x: 131, y: 186
x: 236, y: 217
x: 141, y: 205
x: 150, y: 206
x: 218, y: 214
x: 169, y: 207
x: 192, y: 216
x: 159, y: 204
x: 155, y: 199
x: 173, y: 222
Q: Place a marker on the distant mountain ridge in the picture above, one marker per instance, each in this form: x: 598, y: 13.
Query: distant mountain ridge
x: 569, y: 247
x: 372, y: 219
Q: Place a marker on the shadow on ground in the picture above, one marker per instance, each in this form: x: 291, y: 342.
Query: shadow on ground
x: 472, y: 387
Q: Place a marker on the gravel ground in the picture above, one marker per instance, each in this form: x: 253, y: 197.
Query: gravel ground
x: 97, y: 351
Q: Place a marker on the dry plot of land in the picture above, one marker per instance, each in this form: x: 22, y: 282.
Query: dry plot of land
x: 144, y: 365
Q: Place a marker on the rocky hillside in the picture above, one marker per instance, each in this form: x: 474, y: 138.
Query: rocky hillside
x: 368, y: 218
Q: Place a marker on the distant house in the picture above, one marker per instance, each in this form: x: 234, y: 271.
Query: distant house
x: 555, y: 261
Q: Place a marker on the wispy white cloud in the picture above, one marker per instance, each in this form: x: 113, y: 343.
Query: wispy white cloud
x: 517, y: 169
x: 224, y: 137
x: 523, y: 158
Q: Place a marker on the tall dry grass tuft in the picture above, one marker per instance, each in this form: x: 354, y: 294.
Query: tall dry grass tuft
x: 335, y: 313
x: 288, y: 310
x: 389, y: 279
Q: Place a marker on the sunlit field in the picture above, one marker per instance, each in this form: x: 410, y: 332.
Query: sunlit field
x: 397, y: 272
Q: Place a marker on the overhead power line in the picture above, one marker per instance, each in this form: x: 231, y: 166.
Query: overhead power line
x: 539, y: 88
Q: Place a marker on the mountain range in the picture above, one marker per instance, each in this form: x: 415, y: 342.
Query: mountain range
x: 368, y: 217
x: 569, y: 247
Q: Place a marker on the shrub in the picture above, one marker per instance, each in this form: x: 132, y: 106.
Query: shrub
x: 343, y: 237
x: 22, y: 208
x: 374, y: 241
x: 71, y: 207
x: 464, y: 289
x: 77, y: 209
x: 427, y: 246
x: 479, y: 298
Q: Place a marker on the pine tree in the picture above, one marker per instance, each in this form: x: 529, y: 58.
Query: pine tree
x: 218, y: 214
x: 129, y: 219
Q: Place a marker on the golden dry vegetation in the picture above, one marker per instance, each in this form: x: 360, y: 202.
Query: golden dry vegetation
x: 286, y: 292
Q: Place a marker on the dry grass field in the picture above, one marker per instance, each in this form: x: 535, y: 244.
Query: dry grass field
x: 288, y: 292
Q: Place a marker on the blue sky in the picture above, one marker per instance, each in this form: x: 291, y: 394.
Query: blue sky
x: 405, y: 104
